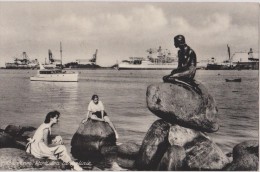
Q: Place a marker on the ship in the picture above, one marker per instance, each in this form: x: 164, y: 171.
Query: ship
x: 84, y: 63
x: 157, y: 59
x: 225, y: 65
x: 213, y: 65
x: 237, y: 61
x: 23, y: 62
x: 246, y: 60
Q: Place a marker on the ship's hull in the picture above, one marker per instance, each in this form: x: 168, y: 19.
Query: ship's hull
x: 64, y: 77
x: 19, y: 66
x: 217, y: 67
x: 169, y: 66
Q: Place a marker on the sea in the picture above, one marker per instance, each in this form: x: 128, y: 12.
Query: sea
x: 123, y: 93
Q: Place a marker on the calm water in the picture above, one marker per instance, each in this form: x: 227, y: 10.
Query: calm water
x: 124, y: 96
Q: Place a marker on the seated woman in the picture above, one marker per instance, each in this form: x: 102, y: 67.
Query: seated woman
x: 96, y: 111
x: 41, y: 145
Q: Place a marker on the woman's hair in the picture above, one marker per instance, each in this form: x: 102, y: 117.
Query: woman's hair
x: 50, y: 115
x: 94, y: 96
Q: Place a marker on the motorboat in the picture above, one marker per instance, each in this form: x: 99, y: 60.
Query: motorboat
x: 54, y: 75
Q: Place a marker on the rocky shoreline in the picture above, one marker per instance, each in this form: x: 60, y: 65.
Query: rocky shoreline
x: 177, y: 141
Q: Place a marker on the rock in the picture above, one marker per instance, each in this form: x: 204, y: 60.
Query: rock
x: 172, y: 160
x: 127, y: 154
x: 18, y: 133
x: 16, y: 130
x: 245, y: 157
x: 203, y: 154
x: 90, y: 138
x: 154, y: 146
x: 16, y: 159
x: 188, y: 106
x: 125, y: 163
x: 128, y: 150
x: 180, y: 136
x: 7, y: 141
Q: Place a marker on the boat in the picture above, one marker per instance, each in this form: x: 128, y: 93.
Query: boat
x: 84, y: 63
x: 225, y: 65
x: 54, y: 74
x: 236, y: 61
x: 23, y: 62
x: 157, y: 59
x: 234, y: 80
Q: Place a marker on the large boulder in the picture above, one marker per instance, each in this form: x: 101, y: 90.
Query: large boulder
x: 172, y: 160
x: 245, y: 157
x: 203, y: 154
x: 16, y: 130
x: 90, y: 137
x: 7, y: 141
x: 16, y: 159
x: 18, y: 133
x: 189, y: 105
x: 153, y: 146
x: 127, y: 154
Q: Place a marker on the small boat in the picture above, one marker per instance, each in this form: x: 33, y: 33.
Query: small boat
x: 234, y: 80
x: 54, y: 74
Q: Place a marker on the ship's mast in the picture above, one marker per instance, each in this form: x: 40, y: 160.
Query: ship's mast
x: 61, y: 55
x: 229, y: 57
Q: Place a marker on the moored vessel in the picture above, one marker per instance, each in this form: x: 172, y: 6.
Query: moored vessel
x: 22, y: 63
x: 158, y: 59
x: 54, y: 74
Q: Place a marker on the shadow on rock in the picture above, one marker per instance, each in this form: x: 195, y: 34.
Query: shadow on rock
x: 92, y: 141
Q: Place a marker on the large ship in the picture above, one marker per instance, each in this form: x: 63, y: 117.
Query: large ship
x: 236, y: 61
x: 84, y: 63
x: 22, y: 63
x: 157, y: 59
x: 225, y: 65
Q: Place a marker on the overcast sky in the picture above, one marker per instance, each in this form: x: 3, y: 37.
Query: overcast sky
x: 123, y: 29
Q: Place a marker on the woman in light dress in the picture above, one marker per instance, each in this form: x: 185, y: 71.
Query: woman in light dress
x: 96, y: 111
x: 41, y: 145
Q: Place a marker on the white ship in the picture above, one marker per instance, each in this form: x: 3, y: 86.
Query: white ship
x: 158, y: 59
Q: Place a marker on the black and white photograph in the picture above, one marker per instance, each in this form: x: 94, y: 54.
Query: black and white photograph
x: 129, y: 86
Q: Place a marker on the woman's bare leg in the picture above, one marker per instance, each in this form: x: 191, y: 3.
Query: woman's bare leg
x: 111, y: 125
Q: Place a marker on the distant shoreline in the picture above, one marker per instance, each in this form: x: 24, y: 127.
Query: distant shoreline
x: 111, y: 68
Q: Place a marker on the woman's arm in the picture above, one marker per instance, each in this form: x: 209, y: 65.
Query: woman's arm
x: 102, y: 114
x: 46, y: 136
x: 87, y: 116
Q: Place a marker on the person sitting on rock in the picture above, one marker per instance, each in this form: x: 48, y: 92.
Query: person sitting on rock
x: 41, y: 145
x: 96, y: 111
x: 187, y: 62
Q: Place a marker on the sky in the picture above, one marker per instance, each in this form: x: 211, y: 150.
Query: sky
x: 120, y: 30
